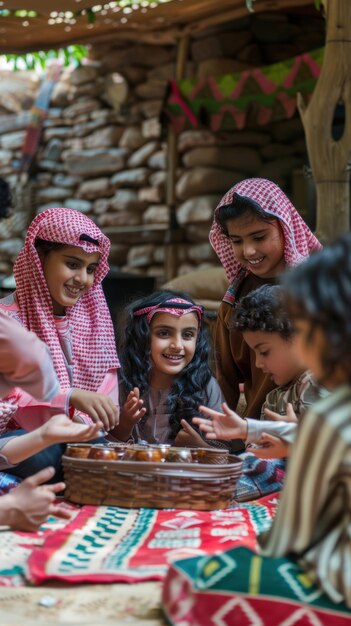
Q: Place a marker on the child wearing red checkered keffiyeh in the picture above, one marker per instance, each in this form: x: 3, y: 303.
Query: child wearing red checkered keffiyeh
x: 70, y: 316
x: 256, y: 233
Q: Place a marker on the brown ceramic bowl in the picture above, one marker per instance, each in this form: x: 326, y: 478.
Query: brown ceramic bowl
x: 155, y: 455
x: 211, y: 456
x: 179, y: 455
x: 103, y: 453
x: 78, y: 451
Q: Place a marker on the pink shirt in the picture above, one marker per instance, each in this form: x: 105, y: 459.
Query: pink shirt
x: 31, y: 413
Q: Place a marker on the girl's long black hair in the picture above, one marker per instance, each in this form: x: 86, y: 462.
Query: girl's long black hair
x: 319, y: 291
x: 240, y: 206
x: 187, y: 390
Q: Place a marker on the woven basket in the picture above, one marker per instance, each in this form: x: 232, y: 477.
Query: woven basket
x: 133, y: 484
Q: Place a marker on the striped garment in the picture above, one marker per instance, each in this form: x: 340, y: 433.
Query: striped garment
x: 302, y: 393
x: 313, y: 521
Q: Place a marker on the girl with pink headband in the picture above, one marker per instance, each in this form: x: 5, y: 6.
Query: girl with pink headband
x: 165, y: 372
x: 58, y: 295
x: 256, y: 233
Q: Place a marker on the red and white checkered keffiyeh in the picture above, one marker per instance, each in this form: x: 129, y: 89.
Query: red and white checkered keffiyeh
x: 299, y: 240
x: 93, y: 340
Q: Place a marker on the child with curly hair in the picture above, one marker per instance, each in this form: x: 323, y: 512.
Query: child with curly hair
x: 165, y: 372
x: 262, y: 318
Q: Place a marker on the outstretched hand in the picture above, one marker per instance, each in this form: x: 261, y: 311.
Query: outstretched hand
x: 188, y: 437
x: 131, y: 413
x: 270, y: 447
x: 276, y: 417
x: 133, y: 409
x: 60, y: 429
x: 226, y: 425
x: 28, y: 506
x: 99, y: 407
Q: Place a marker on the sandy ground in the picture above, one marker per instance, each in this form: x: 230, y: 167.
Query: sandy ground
x: 91, y: 605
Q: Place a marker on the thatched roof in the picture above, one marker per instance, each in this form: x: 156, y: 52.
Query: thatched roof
x: 58, y: 23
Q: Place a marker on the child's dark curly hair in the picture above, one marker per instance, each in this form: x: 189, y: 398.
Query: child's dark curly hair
x: 239, y: 206
x: 319, y: 291
x: 188, y: 387
x: 5, y: 199
x: 263, y: 309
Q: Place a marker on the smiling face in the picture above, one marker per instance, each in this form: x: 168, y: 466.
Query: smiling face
x: 258, y: 245
x: 69, y: 272
x: 275, y: 355
x: 173, y: 345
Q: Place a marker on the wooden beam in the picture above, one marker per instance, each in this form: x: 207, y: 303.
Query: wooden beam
x: 221, y: 16
x: 329, y: 157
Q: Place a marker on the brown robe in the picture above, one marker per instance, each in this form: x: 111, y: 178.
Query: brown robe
x: 235, y: 361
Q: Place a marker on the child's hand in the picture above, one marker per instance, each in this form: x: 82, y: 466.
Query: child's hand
x: 270, y: 447
x: 27, y: 506
x: 132, y: 412
x: 60, y: 429
x: 188, y: 437
x: 133, y: 409
x: 276, y: 417
x: 99, y: 407
x: 226, y: 425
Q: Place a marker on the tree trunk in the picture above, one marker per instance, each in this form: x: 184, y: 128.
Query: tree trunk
x: 330, y: 158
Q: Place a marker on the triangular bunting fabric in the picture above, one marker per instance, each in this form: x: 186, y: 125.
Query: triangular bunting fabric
x: 252, y: 97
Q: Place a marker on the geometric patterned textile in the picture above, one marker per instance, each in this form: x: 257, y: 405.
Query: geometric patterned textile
x: 241, y: 588
x: 259, y: 477
x: 252, y: 97
x: 112, y: 544
x: 16, y: 547
x: 8, y: 482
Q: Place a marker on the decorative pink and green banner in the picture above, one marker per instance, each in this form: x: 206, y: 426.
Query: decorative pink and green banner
x: 250, y: 98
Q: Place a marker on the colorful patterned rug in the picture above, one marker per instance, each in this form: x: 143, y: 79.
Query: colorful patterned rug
x: 110, y: 544
x: 242, y: 588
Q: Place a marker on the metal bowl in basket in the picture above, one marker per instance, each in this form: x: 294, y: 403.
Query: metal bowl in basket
x: 134, y: 484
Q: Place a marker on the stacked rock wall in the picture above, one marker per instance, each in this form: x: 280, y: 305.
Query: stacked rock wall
x: 103, y: 151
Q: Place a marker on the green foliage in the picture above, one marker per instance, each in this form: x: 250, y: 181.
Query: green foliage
x: 38, y: 61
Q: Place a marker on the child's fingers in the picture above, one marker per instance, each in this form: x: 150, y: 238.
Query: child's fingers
x: 136, y: 392
x: 273, y: 416
x: 90, y: 431
x: 40, y: 477
x: 262, y: 453
x: 210, y: 412
x: 56, y: 488
x: 290, y: 413
x: 133, y: 402
x: 99, y: 417
x: 189, y: 429
x: 57, y: 510
x: 137, y: 415
x: 203, y: 424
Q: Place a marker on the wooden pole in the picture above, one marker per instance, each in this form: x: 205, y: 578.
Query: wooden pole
x: 174, y: 234
x: 330, y: 158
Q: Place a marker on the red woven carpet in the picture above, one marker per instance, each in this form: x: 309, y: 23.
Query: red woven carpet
x: 107, y: 544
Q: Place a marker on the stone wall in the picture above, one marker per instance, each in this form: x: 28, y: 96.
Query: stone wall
x: 103, y: 152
